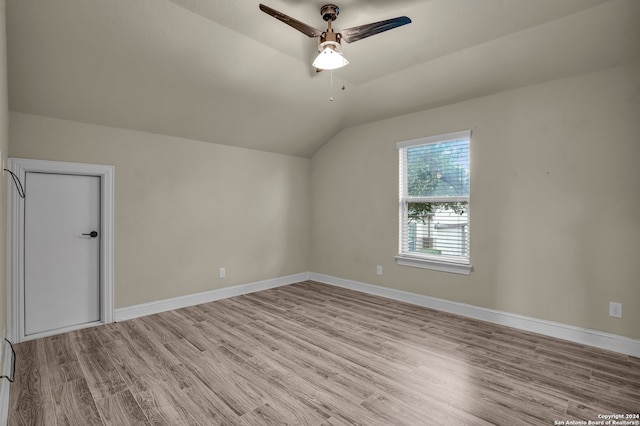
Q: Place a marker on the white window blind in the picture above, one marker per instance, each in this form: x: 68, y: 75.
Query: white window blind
x: 434, y: 201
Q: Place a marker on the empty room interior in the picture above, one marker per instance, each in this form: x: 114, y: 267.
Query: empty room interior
x: 203, y: 222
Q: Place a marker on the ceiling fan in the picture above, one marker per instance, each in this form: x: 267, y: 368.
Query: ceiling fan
x: 329, y: 41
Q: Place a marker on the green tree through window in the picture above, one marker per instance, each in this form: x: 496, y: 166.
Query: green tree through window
x: 437, y: 170
x: 434, y: 202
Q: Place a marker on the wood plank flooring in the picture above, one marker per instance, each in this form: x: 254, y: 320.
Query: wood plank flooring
x: 312, y: 354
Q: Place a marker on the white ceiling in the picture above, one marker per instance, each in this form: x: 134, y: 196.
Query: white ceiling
x: 223, y: 71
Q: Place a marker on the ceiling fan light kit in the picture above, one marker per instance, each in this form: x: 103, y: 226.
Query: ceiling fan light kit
x: 329, y: 42
x: 329, y: 57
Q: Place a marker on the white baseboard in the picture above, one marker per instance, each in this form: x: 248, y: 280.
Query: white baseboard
x: 571, y: 333
x: 5, y: 385
x: 158, y: 306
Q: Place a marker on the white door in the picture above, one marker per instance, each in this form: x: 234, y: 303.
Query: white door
x: 61, y: 255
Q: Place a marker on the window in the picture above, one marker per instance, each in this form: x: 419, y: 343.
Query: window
x: 434, y: 202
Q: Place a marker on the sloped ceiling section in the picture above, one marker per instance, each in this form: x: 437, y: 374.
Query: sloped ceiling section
x: 222, y: 71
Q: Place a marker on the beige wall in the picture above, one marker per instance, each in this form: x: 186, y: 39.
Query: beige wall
x: 4, y: 148
x: 185, y: 208
x: 555, y: 202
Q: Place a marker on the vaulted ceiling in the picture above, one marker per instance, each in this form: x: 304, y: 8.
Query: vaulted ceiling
x: 222, y: 71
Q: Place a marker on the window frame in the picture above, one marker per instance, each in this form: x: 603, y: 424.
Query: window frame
x: 428, y: 261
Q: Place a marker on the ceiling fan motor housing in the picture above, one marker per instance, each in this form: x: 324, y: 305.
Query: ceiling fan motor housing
x: 329, y: 13
x: 329, y: 36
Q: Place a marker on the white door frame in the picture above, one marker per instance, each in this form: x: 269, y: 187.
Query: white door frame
x: 15, y: 253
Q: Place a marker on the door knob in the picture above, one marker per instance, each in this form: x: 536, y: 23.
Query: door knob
x: 92, y: 234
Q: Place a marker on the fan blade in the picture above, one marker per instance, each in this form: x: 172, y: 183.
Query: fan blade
x: 363, y: 31
x: 300, y: 26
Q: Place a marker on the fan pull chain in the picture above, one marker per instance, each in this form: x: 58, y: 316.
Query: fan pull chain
x: 331, y: 87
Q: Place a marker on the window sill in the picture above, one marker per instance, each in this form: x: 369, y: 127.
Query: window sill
x: 436, y: 265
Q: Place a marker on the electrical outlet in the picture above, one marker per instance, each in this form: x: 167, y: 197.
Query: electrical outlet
x: 379, y: 269
x: 223, y: 273
x: 615, y: 309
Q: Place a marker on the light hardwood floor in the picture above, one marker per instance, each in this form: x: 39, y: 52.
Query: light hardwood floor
x: 312, y: 354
